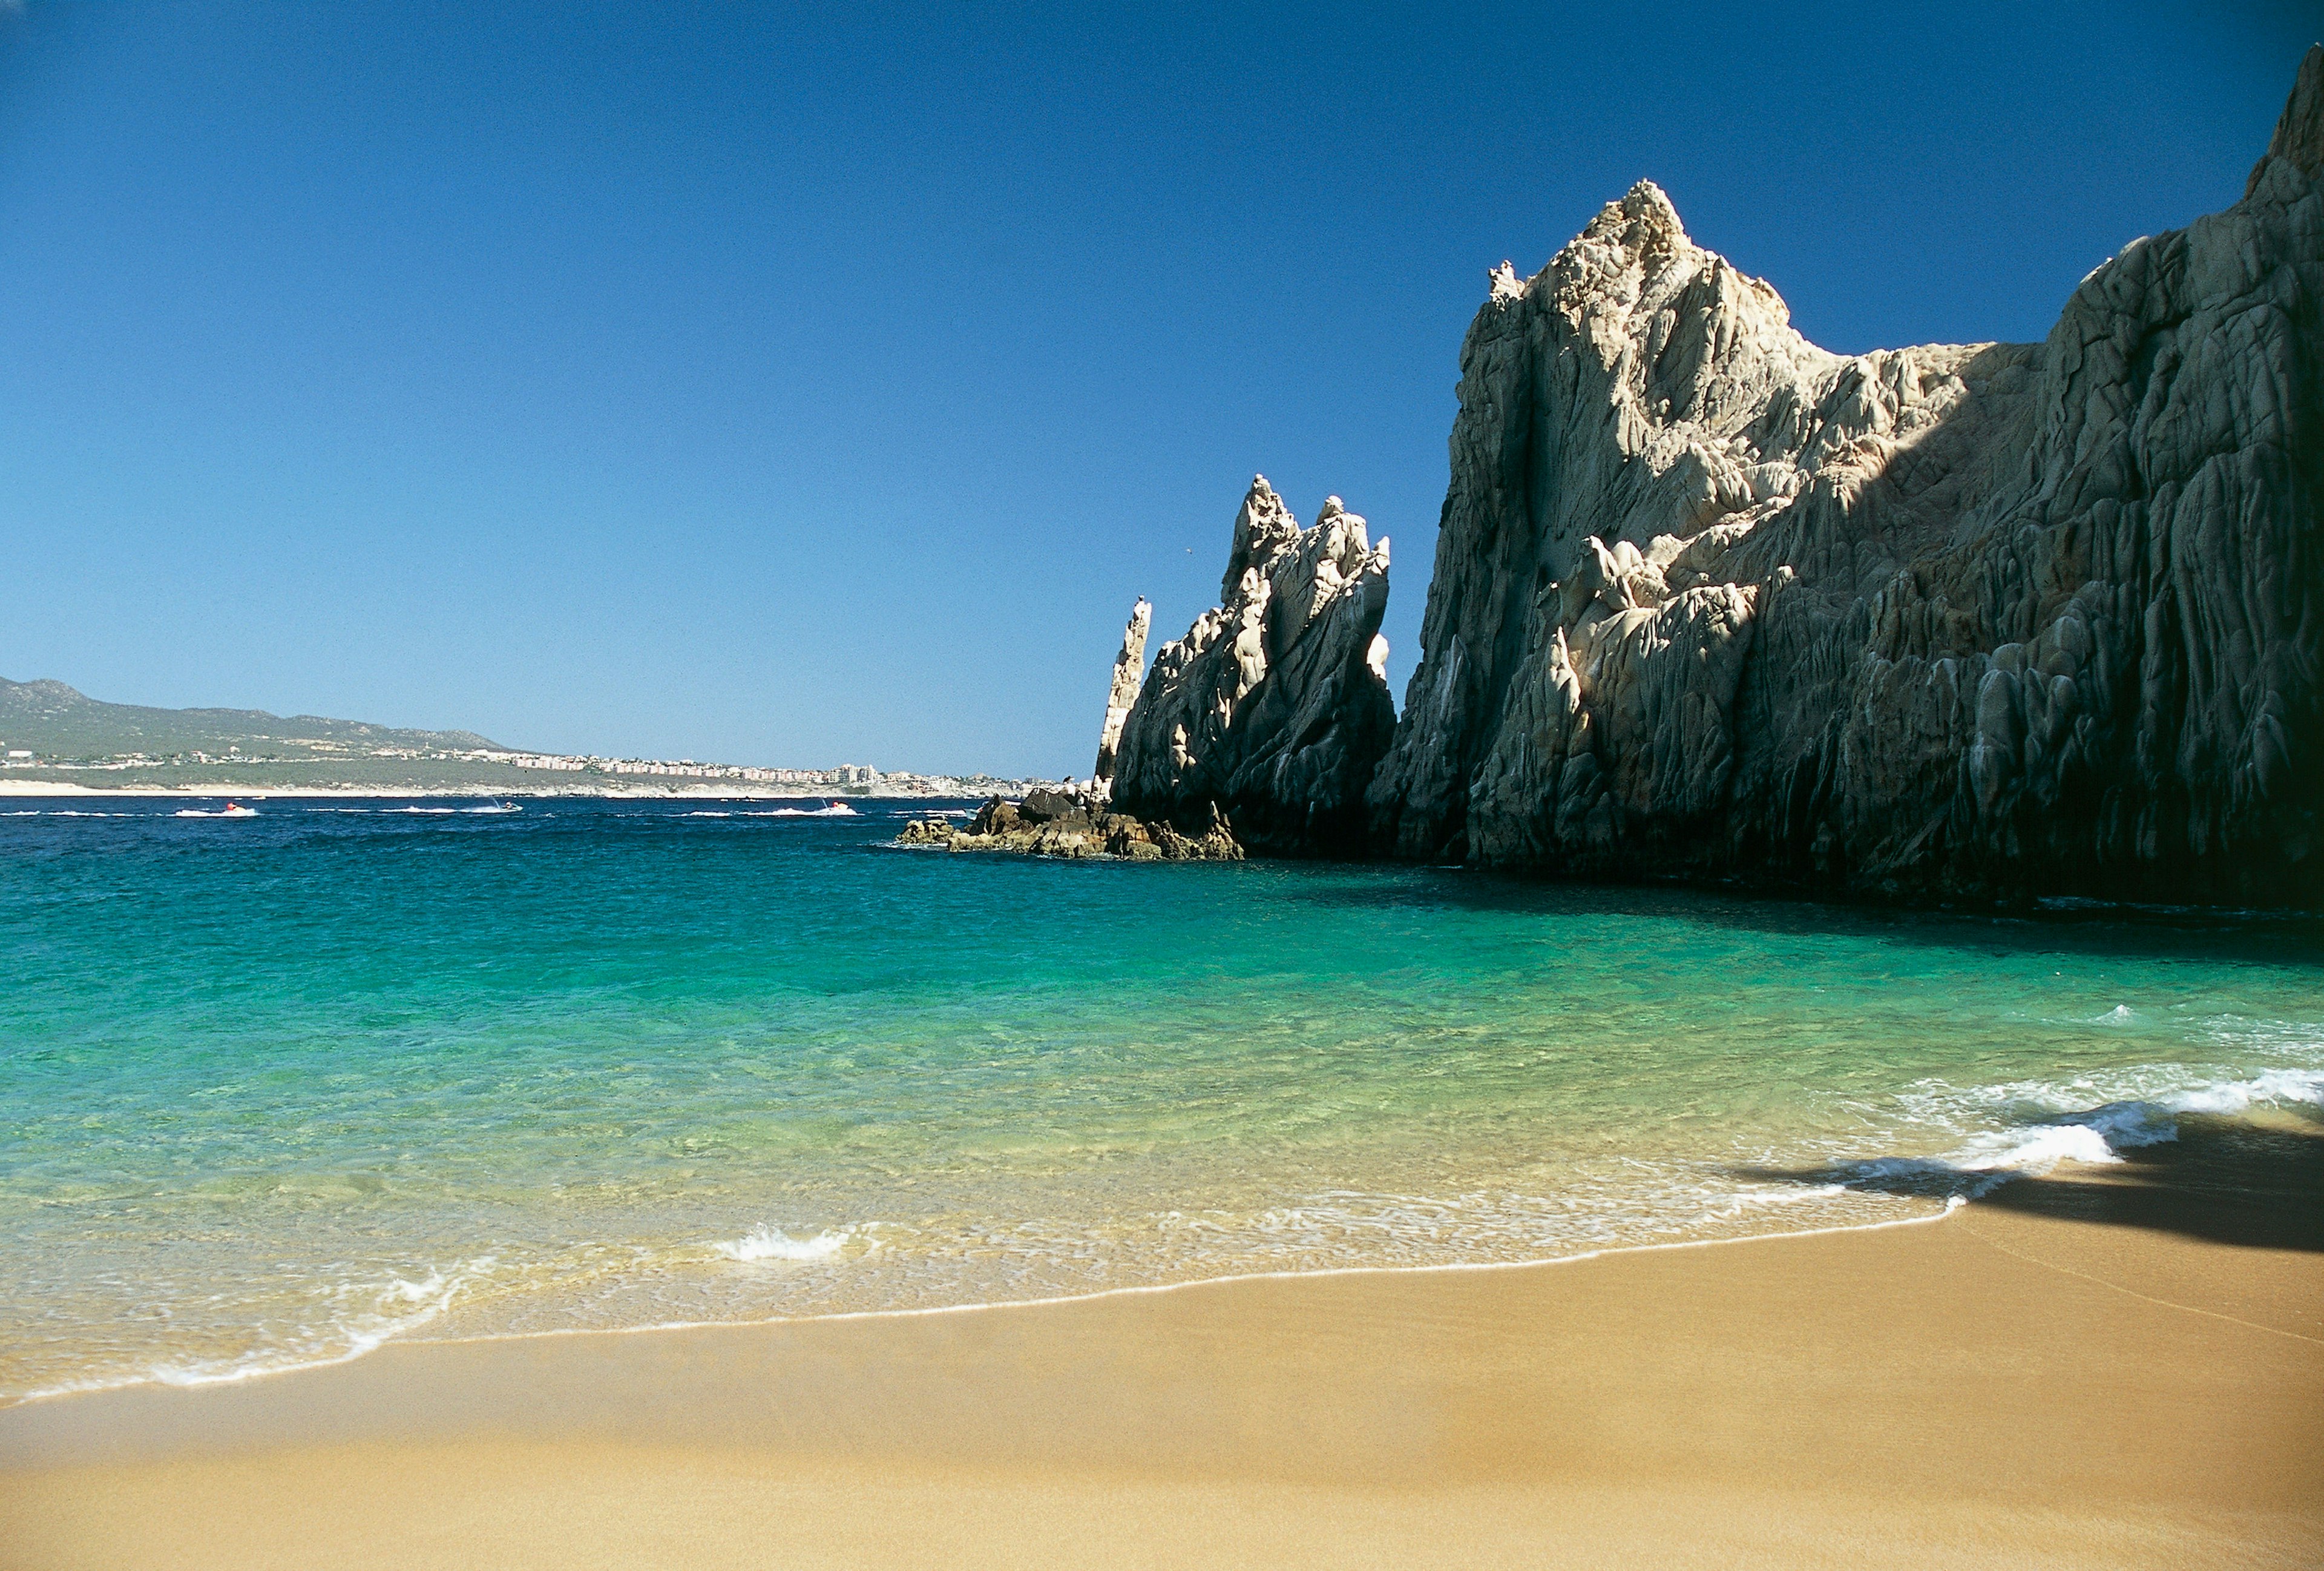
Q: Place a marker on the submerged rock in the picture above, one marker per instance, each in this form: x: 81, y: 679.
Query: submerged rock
x: 1272, y: 713
x: 2001, y: 618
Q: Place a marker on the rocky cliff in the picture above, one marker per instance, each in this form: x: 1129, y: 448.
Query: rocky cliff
x: 1991, y: 618
x: 1274, y: 707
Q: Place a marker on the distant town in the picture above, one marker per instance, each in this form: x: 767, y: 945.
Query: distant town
x: 54, y: 738
x: 481, y: 767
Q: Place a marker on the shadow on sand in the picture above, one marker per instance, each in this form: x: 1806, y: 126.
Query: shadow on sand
x: 2227, y: 1181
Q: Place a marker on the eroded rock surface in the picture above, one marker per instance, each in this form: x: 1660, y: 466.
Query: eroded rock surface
x: 1049, y: 823
x: 1129, y: 667
x: 1273, y: 708
x: 2002, y: 618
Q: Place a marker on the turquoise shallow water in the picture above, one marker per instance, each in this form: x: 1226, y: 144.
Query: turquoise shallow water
x: 275, y: 1087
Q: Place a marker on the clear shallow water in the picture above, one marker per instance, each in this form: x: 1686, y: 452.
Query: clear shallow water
x: 274, y: 1087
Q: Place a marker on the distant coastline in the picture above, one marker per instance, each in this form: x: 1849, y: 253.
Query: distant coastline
x: 57, y: 741
x: 915, y: 788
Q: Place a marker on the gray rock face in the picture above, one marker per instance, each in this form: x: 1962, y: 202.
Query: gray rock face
x: 1996, y: 618
x: 1273, y: 708
x: 1129, y: 667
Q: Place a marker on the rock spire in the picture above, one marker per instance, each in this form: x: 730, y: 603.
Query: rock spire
x: 1274, y: 707
x: 1129, y: 670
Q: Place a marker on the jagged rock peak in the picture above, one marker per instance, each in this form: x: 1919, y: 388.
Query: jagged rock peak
x: 1129, y: 670
x: 1263, y: 527
x: 1274, y: 707
x: 2299, y: 138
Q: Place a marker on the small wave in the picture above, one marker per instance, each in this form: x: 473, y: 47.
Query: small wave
x: 836, y: 811
x: 2094, y: 1136
x: 364, y: 1317
x: 765, y: 1242
x: 434, y: 812
x: 2278, y: 1086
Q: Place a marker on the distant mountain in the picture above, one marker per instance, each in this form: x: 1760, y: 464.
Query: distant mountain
x: 58, y: 722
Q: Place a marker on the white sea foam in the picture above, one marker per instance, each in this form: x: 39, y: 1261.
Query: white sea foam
x: 2053, y: 1129
x: 766, y: 1242
x: 835, y: 810
x: 224, y: 812
x: 2277, y: 1087
x: 425, y: 812
x: 353, y: 1319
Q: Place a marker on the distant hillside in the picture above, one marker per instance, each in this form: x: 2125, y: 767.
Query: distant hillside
x: 80, y: 743
x: 56, y: 722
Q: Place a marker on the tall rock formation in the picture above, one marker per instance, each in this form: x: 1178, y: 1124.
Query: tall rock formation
x: 1274, y: 707
x: 1993, y: 618
x: 1129, y: 667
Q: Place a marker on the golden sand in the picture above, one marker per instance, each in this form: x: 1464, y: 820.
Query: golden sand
x: 2122, y: 1367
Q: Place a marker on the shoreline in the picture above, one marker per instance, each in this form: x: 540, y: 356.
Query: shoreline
x: 2105, y: 1366
x: 1952, y: 1205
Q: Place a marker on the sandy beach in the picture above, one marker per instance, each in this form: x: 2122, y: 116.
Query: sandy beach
x: 2109, y: 1366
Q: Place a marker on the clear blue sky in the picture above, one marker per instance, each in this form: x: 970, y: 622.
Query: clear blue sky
x: 789, y: 383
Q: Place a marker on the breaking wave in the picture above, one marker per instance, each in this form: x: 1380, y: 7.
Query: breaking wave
x: 352, y: 1319
x: 765, y: 1242
x: 2050, y: 1130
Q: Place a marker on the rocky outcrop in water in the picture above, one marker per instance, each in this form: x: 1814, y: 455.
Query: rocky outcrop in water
x: 1128, y: 666
x: 1993, y: 618
x: 1070, y: 824
x: 1273, y: 708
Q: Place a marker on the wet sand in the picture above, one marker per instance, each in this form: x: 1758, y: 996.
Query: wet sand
x: 2111, y: 1366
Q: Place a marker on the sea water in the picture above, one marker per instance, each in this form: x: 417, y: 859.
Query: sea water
x: 277, y: 1087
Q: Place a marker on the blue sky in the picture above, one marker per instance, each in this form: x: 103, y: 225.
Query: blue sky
x: 801, y: 383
